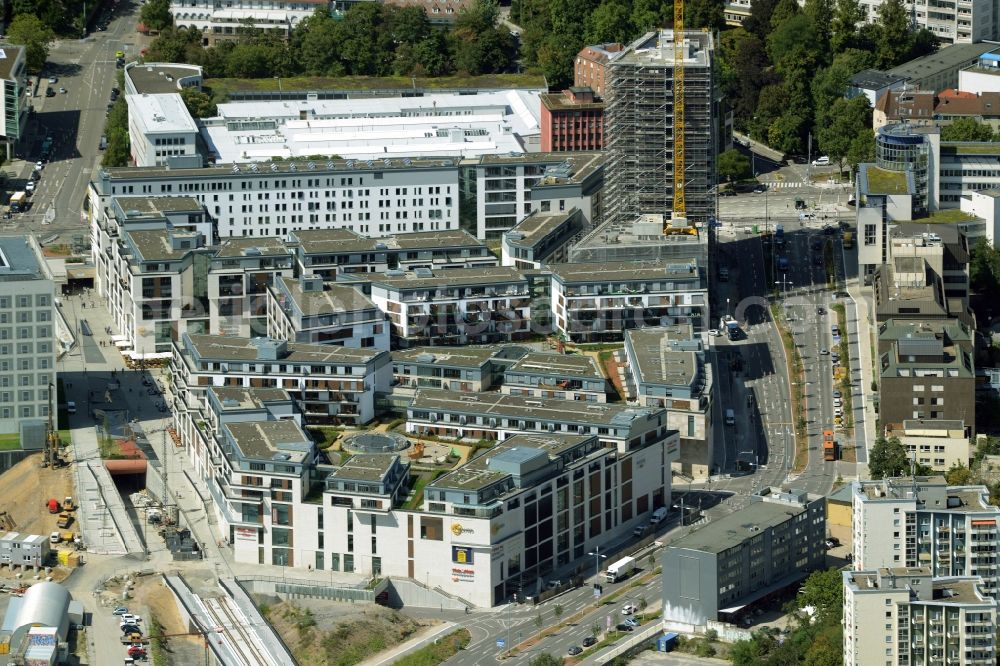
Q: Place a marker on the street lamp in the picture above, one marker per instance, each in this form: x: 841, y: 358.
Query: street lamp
x: 597, y: 561
x: 784, y: 283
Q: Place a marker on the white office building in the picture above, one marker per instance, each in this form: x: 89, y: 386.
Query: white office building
x: 435, y: 125
x: 16, y: 93
x: 27, y: 340
x: 161, y: 129
x: 961, y: 22
x: 376, y: 198
x: 223, y: 21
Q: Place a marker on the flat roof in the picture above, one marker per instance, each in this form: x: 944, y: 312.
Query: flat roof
x: 537, y: 226
x: 20, y: 259
x: 240, y: 398
x: 874, y: 79
x: 441, y: 124
x: 261, y: 440
x: 952, y: 55
x: 336, y: 241
x: 883, y: 181
x: 579, y: 165
x: 252, y: 247
x: 658, y: 362
x: 156, y: 206
x: 159, y: 78
x: 365, y: 467
x: 161, y: 113
x: 657, y: 48
x: 231, y: 348
x: 563, y: 102
x: 731, y: 530
x: 447, y: 277
x: 477, y: 474
x: 604, y: 271
x: 455, y: 357
x: 333, y: 299
x: 281, y: 168
x: 156, y: 245
x: 8, y: 56
x: 499, y: 404
x: 563, y: 365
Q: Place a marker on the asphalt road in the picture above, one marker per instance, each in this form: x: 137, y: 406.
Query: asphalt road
x: 75, y: 122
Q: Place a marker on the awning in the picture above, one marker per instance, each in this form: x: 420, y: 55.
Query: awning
x: 116, y: 338
x: 122, y: 344
x: 151, y: 356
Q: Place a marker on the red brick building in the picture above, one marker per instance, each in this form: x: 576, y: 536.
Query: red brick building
x: 572, y: 120
x: 588, y: 69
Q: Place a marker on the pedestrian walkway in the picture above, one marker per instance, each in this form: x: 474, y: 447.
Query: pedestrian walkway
x: 864, y: 317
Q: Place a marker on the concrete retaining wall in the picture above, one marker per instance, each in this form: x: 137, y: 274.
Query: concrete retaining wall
x: 290, y: 588
x: 410, y: 594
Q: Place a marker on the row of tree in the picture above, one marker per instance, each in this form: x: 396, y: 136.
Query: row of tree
x: 369, y: 39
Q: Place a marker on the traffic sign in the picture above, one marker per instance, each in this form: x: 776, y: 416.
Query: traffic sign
x: 501, y: 643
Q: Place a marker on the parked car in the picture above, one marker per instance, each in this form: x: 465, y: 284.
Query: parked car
x: 575, y: 650
x: 623, y: 627
x: 128, y: 618
x: 71, y: 409
x: 760, y: 189
x: 588, y: 641
x: 727, y: 193
x: 800, y: 204
x: 53, y: 79
x: 632, y: 622
x: 628, y: 609
x: 121, y: 610
x: 29, y: 187
x: 62, y: 91
x: 832, y: 542
x: 821, y: 161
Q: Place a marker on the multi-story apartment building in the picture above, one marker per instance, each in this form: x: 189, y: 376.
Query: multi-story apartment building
x: 936, y: 443
x: 541, y: 238
x: 454, y: 306
x: 668, y: 367
x: 598, y: 301
x: 14, y: 75
x: 375, y: 198
x: 500, y: 524
x: 311, y: 311
x: 495, y: 416
x: 329, y: 384
x: 638, y: 128
x: 560, y: 376
x: 462, y: 369
x: 27, y: 340
x: 506, y: 188
x: 218, y: 22
x: 904, y: 615
x: 964, y: 23
x: 716, y: 571
x: 240, y: 272
x: 924, y: 522
x: 590, y: 66
x: 329, y: 252
x: 572, y: 120
x: 926, y: 371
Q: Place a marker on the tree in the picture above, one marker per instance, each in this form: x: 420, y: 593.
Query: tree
x: 365, y: 41
x: 847, y: 131
x: 650, y: 15
x: 28, y: 31
x: 888, y: 459
x: 820, y: 12
x: 892, y: 34
x: 538, y: 621
x: 826, y: 648
x: 847, y: 14
x: 610, y: 22
x: 708, y: 14
x: 734, y: 165
x: 967, y: 129
x: 155, y: 14
x: 595, y: 630
x: 481, y: 44
x: 958, y: 474
x: 823, y: 591
x: 984, y: 268
x: 316, y: 42
x: 744, y: 71
x: 759, y: 21
x: 557, y: 610
x: 784, y: 10
x: 544, y: 659
x: 198, y: 104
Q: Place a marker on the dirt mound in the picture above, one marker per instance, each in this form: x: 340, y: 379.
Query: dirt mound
x: 347, y: 642
x: 25, y: 488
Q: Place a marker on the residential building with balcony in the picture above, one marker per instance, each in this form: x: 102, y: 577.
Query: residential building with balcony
x: 375, y: 198
x: 542, y: 238
x: 329, y: 252
x: 923, y: 522
x: 926, y: 371
x: 575, y: 378
x: 329, y: 384
x: 453, y: 306
x: 716, y: 571
x: 462, y: 369
x: 905, y: 615
x: 218, y: 22
x: 599, y: 301
x: 503, y: 189
x: 496, y: 416
x: 668, y: 366
x: 310, y: 310
x: 240, y: 272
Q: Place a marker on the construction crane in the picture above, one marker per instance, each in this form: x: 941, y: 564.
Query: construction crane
x: 51, y: 454
x: 678, y: 224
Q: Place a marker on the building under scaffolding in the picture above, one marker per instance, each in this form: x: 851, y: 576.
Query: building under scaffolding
x: 639, y: 129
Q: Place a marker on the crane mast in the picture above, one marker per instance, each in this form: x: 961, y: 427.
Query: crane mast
x: 679, y: 219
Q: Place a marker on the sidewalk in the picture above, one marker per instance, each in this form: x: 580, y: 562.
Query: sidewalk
x: 863, y: 333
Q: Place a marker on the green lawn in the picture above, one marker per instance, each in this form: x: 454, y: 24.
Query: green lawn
x: 10, y: 442
x: 882, y: 181
x: 272, y: 84
x: 948, y: 216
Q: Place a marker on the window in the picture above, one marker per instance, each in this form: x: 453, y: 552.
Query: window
x: 348, y: 563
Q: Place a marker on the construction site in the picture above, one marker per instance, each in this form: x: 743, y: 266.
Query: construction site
x: 641, y: 126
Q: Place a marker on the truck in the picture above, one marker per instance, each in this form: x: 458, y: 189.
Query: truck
x: 620, y: 570
x: 730, y: 326
x: 779, y: 234
x: 829, y: 444
x: 64, y: 520
x: 17, y: 202
x: 67, y: 504
x: 53, y: 505
x: 848, y: 240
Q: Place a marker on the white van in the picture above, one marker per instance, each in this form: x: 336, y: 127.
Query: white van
x: 730, y: 417
x: 821, y: 161
x: 658, y: 516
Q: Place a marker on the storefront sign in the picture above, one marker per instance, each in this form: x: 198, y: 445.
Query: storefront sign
x: 246, y: 534
x: 460, y: 574
x: 461, y: 555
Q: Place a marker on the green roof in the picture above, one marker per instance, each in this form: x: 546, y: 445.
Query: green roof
x: 883, y: 181
x: 320, y: 83
x: 948, y: 216
x: 972, y: 148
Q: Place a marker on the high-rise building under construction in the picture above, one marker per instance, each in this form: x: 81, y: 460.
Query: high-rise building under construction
x: 639, y: 129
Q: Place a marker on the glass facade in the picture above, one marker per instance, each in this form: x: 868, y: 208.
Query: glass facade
x: 899, y: 149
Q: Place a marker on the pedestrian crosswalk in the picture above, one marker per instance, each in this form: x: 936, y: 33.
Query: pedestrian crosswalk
x: 785, y: 184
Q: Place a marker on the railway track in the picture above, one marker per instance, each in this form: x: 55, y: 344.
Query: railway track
x: 244, y: 642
